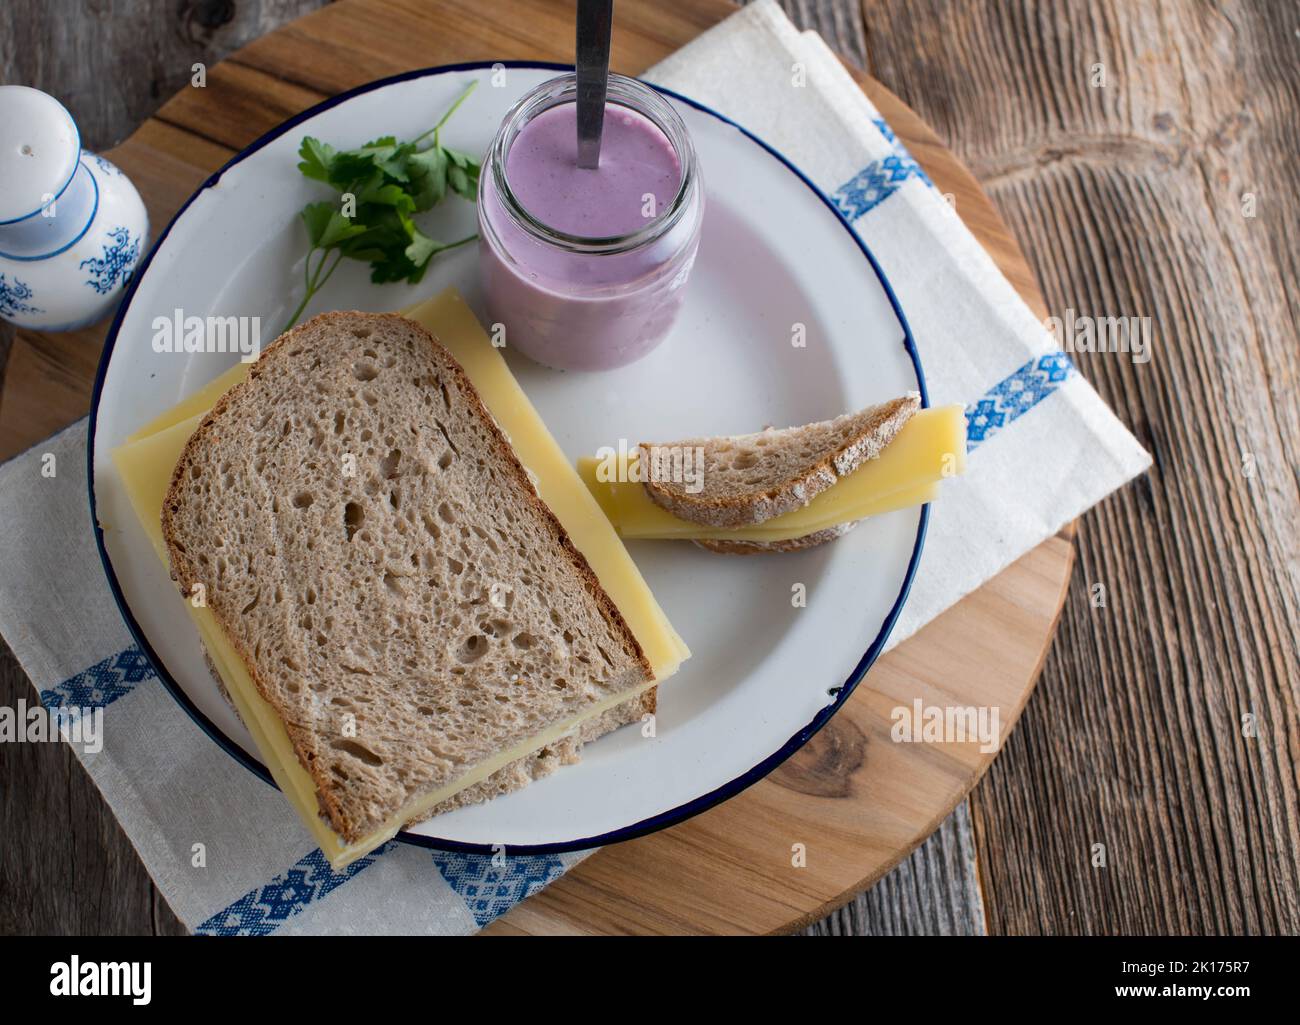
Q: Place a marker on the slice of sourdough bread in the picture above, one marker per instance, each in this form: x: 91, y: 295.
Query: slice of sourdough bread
x: 376, y: 554
x: 751, y: 478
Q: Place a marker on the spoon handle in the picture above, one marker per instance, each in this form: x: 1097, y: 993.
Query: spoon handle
x: 595, y: 20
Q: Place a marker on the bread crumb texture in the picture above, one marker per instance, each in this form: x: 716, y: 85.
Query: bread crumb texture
x: 377, y: 555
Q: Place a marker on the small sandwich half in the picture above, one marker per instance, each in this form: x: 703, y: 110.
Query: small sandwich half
x: 752, y: 478
x: 781, y: 490
x: 383, y: 568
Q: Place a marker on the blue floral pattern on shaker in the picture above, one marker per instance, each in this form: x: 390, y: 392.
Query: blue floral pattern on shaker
x: 117, y: 262
x: 14, y: 296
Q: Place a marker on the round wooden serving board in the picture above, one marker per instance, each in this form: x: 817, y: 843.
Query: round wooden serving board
x: 856, y: 801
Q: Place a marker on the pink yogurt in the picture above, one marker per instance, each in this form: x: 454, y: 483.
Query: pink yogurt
x: 586, y: 268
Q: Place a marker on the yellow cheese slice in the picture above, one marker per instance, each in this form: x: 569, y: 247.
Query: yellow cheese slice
x: 636, y: 517
x: 145, y: 464
x: 930, y: 447
x: 196, y: 405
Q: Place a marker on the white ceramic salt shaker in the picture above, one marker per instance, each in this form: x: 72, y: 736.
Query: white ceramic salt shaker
x: 72, y: 226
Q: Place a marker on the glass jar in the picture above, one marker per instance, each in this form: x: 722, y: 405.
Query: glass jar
x: 598, y: 286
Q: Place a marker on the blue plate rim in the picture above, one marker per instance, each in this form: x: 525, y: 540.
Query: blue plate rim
x: 655, y: 822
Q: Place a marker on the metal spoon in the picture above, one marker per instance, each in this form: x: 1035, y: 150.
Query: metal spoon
x: 595, y: 20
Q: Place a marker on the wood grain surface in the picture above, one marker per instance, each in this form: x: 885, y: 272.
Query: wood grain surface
x: 1135, y: 198
x: 1130, y: 198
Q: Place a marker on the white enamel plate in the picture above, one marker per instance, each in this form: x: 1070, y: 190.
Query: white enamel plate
x: 767, y: 671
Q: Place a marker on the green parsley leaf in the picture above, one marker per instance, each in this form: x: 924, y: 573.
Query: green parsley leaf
x: 428, y: 171
x: 317, y: 157
x: 317, y: 217
x: 380, y: 185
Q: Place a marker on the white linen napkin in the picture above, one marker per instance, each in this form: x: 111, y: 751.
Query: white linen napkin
x: 223, y: 847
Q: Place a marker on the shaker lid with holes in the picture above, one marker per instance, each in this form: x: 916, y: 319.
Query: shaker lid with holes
x: 39, y: 149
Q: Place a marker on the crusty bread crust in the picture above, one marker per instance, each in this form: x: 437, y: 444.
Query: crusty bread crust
x: 794, y: 544
x: 857, y: 437
x: 183, y: 570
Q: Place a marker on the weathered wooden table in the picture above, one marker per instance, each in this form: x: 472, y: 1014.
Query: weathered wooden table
x: 1145, y: 157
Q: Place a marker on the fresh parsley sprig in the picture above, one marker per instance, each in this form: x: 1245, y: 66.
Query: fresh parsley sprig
x: 381, y: 185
